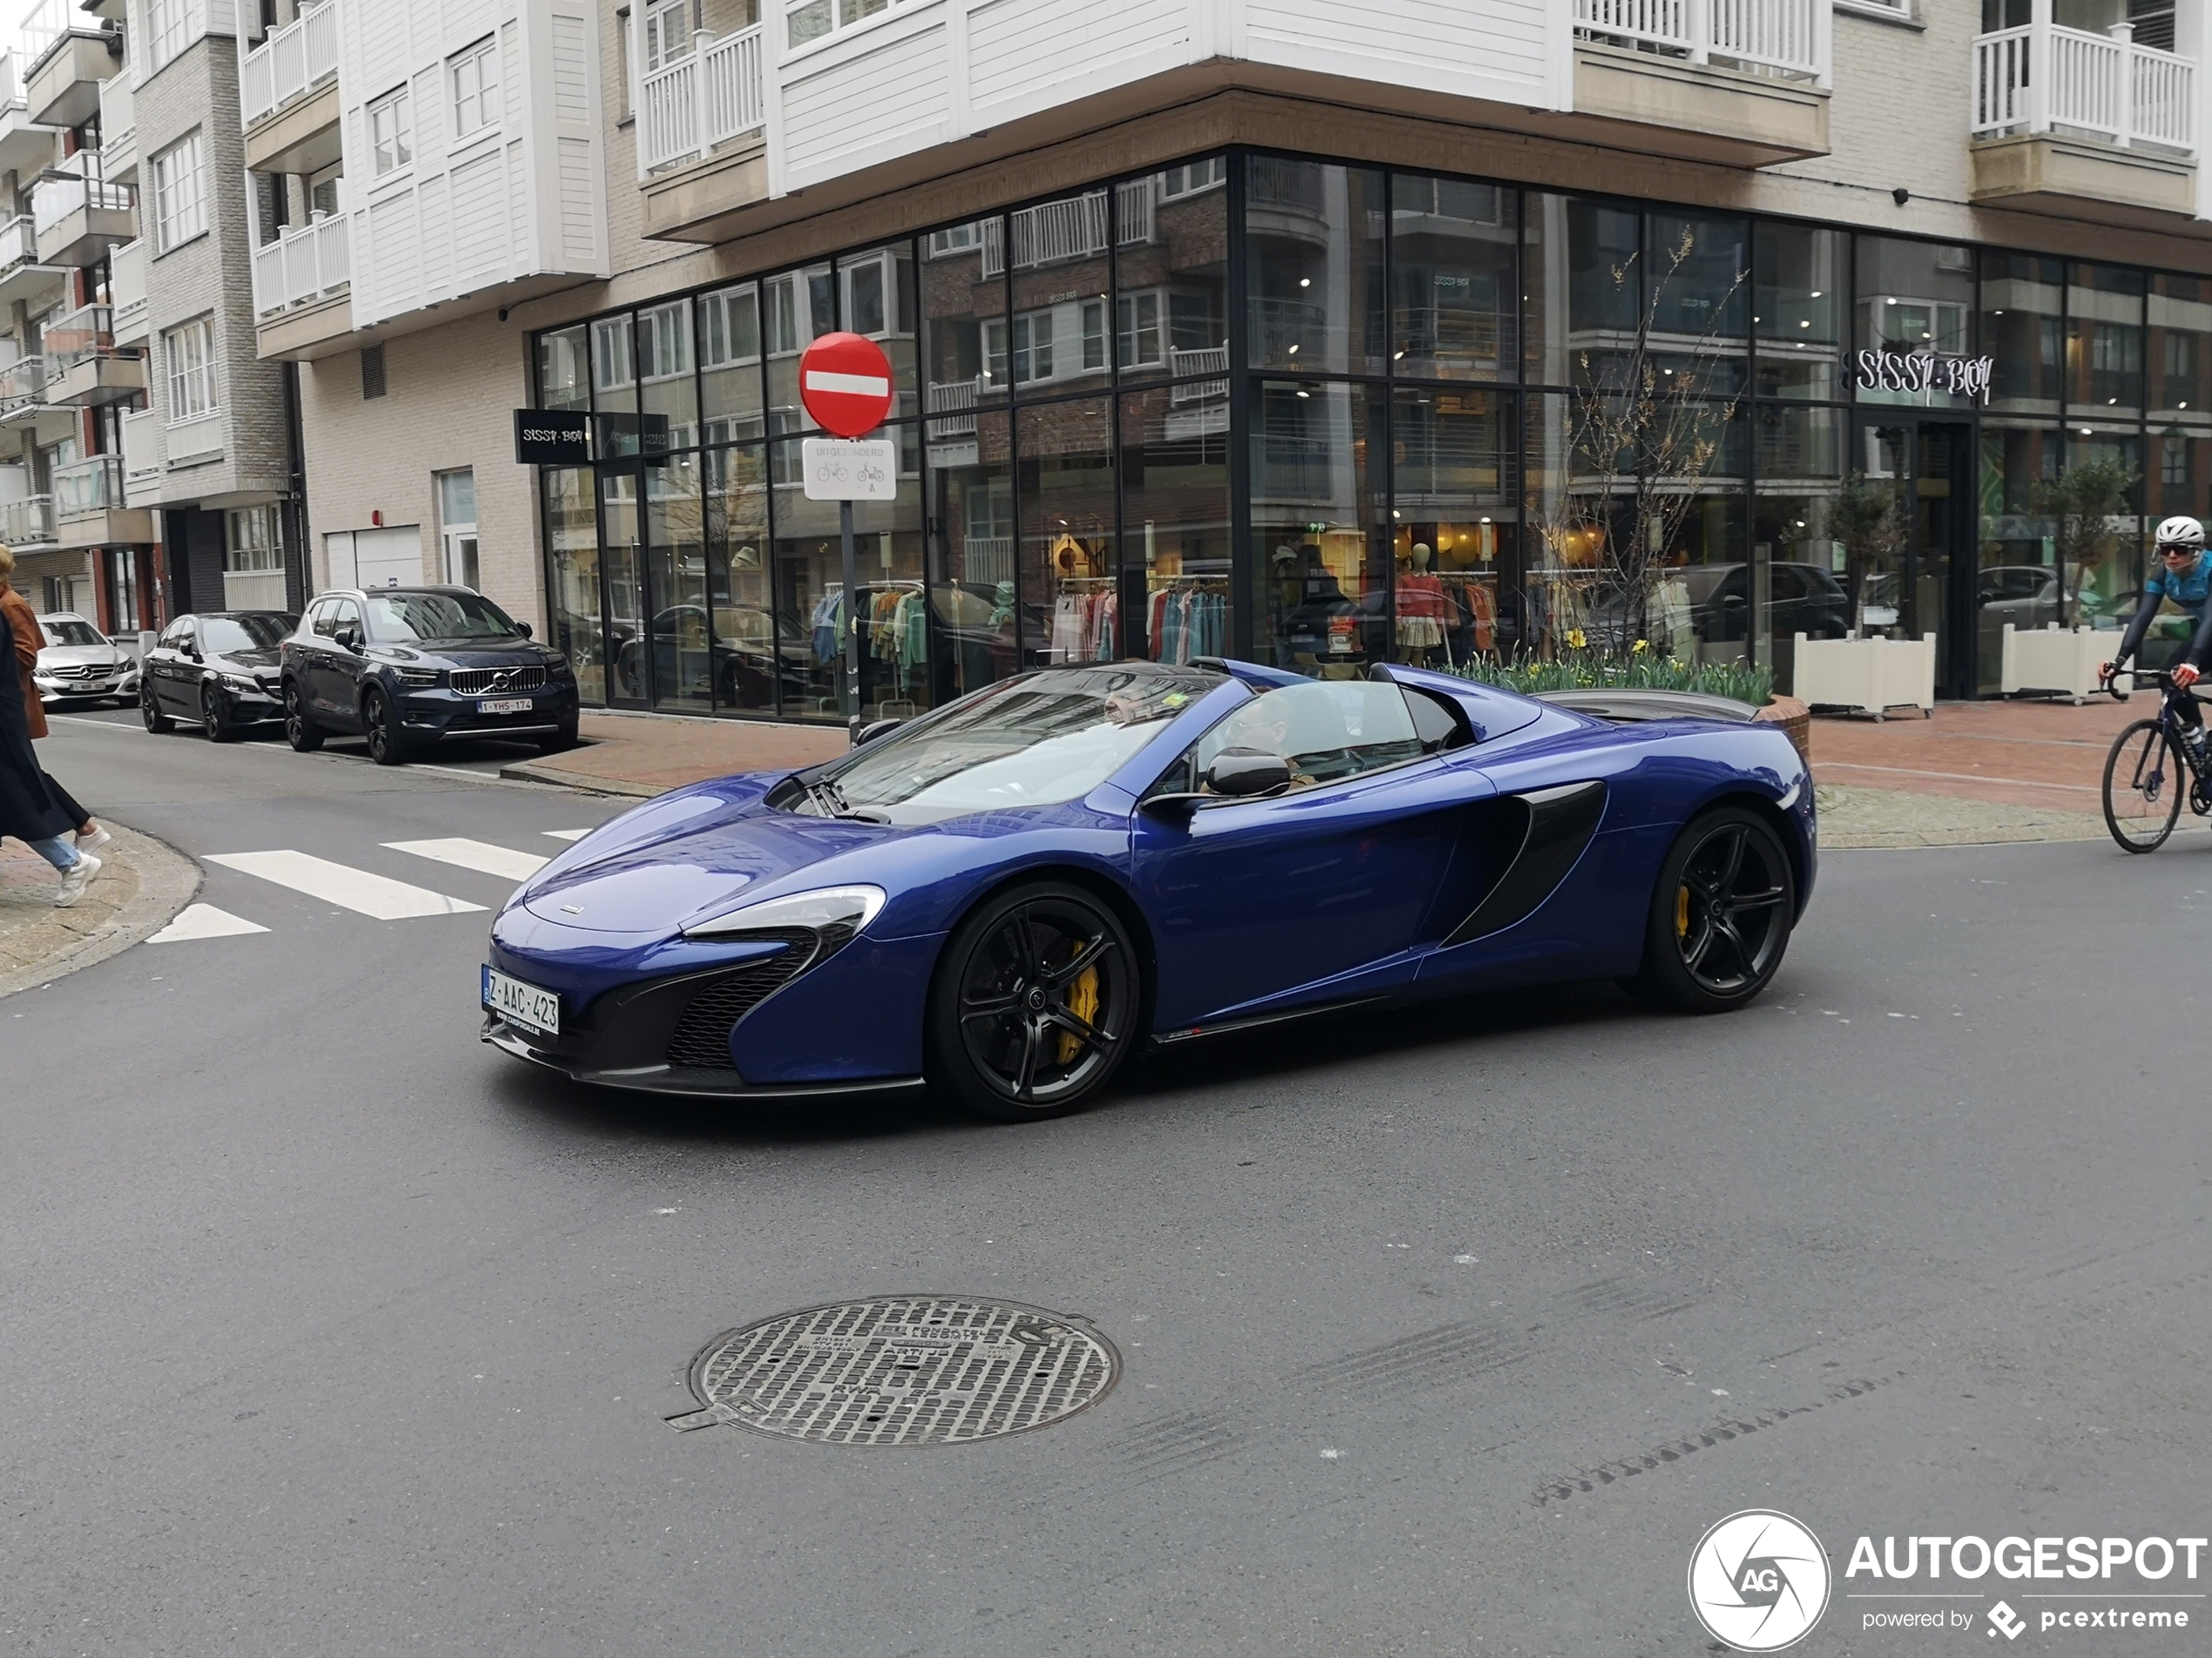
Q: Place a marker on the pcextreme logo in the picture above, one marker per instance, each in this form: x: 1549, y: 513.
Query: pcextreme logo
x: 1758, y: 1581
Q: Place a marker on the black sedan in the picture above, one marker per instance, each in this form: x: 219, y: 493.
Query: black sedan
x: 216, y: 667
x: 408, y: 667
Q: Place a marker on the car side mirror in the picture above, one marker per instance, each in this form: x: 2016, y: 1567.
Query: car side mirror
x: 876, y: 728
x: 191, y: 652
x: 1243, y: 772
x: 346, y: 636
x: 523, y: 628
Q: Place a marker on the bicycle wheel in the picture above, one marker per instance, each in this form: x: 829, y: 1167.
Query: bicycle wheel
x: 2145, y: 779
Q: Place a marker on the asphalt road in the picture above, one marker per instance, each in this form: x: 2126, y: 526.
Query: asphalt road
x: 330, y: 1330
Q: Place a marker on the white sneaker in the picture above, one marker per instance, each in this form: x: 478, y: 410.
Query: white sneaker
x: 76, y: 878
x: 93, y: 842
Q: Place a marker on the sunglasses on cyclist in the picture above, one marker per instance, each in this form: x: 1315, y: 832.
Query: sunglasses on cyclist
x: 2177, y: 552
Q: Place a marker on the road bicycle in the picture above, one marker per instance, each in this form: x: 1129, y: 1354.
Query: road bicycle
x: 2154, y: 765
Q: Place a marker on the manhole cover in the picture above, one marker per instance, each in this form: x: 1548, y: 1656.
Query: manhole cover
x: 901, y: 1370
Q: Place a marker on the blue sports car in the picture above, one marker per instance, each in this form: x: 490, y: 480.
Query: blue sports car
x: 1009, y: 896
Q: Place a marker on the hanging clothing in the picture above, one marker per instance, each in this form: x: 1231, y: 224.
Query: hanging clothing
x: 828, y: 611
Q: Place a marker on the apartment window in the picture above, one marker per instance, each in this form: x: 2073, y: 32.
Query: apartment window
x: 457, y: 524
x: 179, y: 194
x: 2173, y: 461
x: 668, y: 34
x: 190, y: 353
x: 664, y: 342
x: 325, y: 191
x: 1032, y: 342
x: 811, y: 19
x: 1094, y: 318
x: 729, y: 328
x: 1140, y: 344
x: 960, y: 239
x: 611, y: 368
x: 1191, y: 177
x: 391, y: 132
x: 475, y: 88
x: 250, y: 539
x: 164, y: 30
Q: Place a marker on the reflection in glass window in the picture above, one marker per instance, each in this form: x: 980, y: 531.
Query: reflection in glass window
x: 1313, y: 241
x: 1914, y: 298
x: 1327, y: 732
x: 1454, y: 528
x: 1065, y: 496
x: 1175, y: 519
x: 2180, y: 353
x: 1172, y: 318
x: 971, y: 475
x: 671, y: 400
x: 2105, y: 338
x: 729, y: 324
x: 1455, y: 275
x: 572, y: 599
x: 1797, y: 310
x: 959, y: 301
x: 1319, y: 549
x: 877, y: 290
x: 796, y: 309
x: 561, y: 374
x: 1582, y: 294
x: 2020, y: 296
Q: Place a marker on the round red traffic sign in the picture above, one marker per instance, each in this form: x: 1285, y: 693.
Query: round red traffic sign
x: 845, y: 380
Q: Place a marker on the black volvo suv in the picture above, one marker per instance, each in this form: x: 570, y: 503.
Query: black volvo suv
x: 408, y: 667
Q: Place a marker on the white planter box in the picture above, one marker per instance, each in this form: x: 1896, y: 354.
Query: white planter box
x: 1866, y: 675
x: 2065, y: 664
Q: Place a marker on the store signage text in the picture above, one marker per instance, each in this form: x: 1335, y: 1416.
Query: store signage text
x: 552, y: 437
x: 1923, y: 371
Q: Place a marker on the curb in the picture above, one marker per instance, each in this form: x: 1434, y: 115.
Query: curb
x: 164, y: 881
x: 538, y: 771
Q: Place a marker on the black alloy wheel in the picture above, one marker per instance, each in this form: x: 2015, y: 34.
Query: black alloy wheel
x: 212, y: 720
x: 150, y: 711
x: 299, y: 728
x: 1721, y: 914
x: 2145, y: 779
x: 380, y: 724
x: 1035, y: 1003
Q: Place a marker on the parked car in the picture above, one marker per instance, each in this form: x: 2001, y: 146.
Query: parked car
x: 1806, y: 599
x: 79, y: 660
x: 217, y: 667
x: 409, y: 667
x: 1007, y: 896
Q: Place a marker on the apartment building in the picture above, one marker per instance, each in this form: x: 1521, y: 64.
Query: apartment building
x: 1284, y: 328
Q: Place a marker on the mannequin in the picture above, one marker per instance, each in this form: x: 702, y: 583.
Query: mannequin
x: 1423, y: 609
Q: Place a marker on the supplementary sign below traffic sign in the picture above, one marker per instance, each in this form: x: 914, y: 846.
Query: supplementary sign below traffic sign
x: 841, y: 470
x: 845, y: 380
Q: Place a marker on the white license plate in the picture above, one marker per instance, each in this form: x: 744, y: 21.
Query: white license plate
x: 506, y: 705
x: 522, y: 1004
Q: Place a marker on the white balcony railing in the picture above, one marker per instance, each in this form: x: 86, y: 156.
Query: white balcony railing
x: 306, y: 263
x: 144, y: 456
x: 705, y: 98
x: 2103, y: 85
x: 956, y: 400
x: 1074, y: 228
x: 126, y: 287
x: 94, y: 484
x: 1783, y: 37
x: 22, y: 384
x: 19, y: 242
x: 54, y: 200
x: 289, y: 64
x: 46, y: 23
x: 27, y: 521
x: 194, y: 437
x: 86, y: 332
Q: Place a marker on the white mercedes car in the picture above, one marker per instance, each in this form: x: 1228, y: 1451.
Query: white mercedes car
x: 79, y: 660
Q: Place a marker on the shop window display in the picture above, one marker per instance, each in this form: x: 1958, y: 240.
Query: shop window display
x: 2178, y: 349
x: 1175, y: 525
x: 2021, y: 329
x: 1455, y: 279
x: 750, y: 643
x: 2104, y: 342
x: 1069, y: 565
x: 1171, y: 275
x: 1313, y: 246
x: 1454, y: 528
x: 1797, y: 311
x: 973, y: 595
x: 1320, y: 545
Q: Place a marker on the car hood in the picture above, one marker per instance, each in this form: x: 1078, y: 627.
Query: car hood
x: 519, y: 654
x: 686, y: 856
x: 245, y: 662
x: 56, y: 655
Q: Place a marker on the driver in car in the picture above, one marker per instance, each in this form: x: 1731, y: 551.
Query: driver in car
x: 1261, y: 727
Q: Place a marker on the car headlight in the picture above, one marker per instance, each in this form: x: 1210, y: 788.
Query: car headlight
x: 418, y: 676
x: 833, y: 915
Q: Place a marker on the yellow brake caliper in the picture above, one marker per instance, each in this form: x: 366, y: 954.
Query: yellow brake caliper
x: 1083, y: 1001
x: 1681, y: 912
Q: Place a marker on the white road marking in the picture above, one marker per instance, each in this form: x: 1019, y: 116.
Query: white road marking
x: 568, y: 835
x: 479, y: 855
x: 203, y: 922
x: 377, y: 896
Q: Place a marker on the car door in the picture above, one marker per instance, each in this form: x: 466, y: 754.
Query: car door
x: 1253, y: 900
x: 168, y: 664
x: 338, y: 668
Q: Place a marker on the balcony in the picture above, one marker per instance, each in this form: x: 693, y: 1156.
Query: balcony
x: 1072, y: 229
x: 2083, y: 123
x: 23, y: 275
x: 24, y: 405
x: 89, y: 509
x: 89, y: 369
x: 119, y: 131
x: 27, y: 523
x: 126, y: 287
x: 70, y: 54
x: 690, y: 115
x: 25, y: 145
x: 287, y: 95
x: 302, y: 288
x: 144, y: 458
x: 1740, y: 82
x: 79, y: 218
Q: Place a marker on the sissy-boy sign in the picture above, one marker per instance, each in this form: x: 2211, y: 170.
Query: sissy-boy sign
x: 1900, y: 371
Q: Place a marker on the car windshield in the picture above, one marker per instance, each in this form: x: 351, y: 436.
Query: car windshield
x: 1045, y: 738
x: 408, y: 619
x: 70, y: 630
x: 220, y: 635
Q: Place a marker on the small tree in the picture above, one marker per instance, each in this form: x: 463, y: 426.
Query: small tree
x: 2081, y: 503
x: 1868, y: 517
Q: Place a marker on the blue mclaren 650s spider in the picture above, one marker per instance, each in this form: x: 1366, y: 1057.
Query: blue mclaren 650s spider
x: 1009, y: 896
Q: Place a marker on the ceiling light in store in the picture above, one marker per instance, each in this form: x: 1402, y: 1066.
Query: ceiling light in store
x: 1305, y: 282
x: 2085, y: 432
x: 1398, y: 357
x: 1889, y: 302
x: 2184, y: 403
x: 1805, y: 324
x: 2111, y: 401
x: 1996, y: 313
x: 1294, y: 351
x: 1305, y: 394
x: 1816, y: 293
x: 1486, y: 521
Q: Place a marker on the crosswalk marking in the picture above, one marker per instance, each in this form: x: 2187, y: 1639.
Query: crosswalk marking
x: 479, y: 855
x: 203, y: 922
x: 376, y: 896
x: 567, y: 834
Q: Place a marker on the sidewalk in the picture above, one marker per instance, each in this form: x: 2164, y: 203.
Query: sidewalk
x: 140, y: 888
x: 1972, y: 774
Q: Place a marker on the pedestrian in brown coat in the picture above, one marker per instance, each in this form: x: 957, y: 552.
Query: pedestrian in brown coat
x: 23, y: 622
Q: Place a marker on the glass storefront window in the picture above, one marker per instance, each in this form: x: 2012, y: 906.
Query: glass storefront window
x: 2108, y: 584
x: 1797, y: 570
x: 2020, y: 297
x: 1797, y: 310
x: 1314, y: 246
x: 1171, y: 273
x: 1581, y: 288
x: 1175, y: 519
x: 1914, y: 298
x: 2179, y: 354
x: 1069, y: 564
x: 614, y: 388
x: 2017, y: 580
x: 1321, y: 548
x: 681, y: 667
x: 797, y: 307
x: 875, y: 293
x: 729, y: 342
x: 959, y: 302
x: 1455, y: 279
x: 1697, y: 281
x: 563, y: 379
x: 1455, y: 525
x: 2104, y: 341
x: 668, y: 395
x: 1060, y: 335
x: 572, y: 542
x: 749, y: 648
x: 621, y: 557
x: 971, y: 473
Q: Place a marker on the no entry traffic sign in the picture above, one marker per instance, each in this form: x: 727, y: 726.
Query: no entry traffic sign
x: 845, y: 380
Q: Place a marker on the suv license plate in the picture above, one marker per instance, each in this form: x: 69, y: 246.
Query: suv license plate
x: 522, y: 1004
x: 507, y: 705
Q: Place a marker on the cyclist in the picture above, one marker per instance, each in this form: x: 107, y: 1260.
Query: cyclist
x: 2185, y: 577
